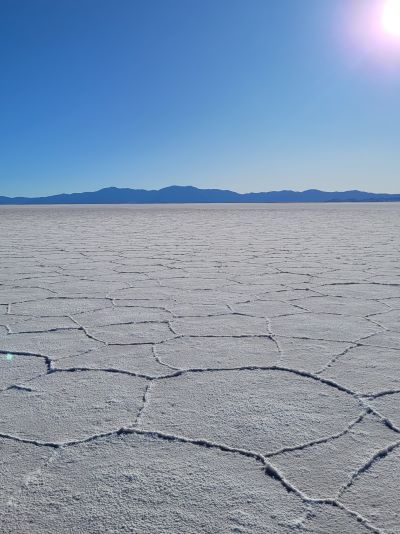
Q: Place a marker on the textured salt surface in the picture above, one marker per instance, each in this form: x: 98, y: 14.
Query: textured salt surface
x: 200, y: 369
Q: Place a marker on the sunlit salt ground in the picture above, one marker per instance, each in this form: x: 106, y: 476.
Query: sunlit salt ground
x: 200, y: 369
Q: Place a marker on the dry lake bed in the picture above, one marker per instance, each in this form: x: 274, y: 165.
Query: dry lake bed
x: 200, y: 369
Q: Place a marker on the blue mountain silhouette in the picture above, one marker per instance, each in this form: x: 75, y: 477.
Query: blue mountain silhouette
x: 188, y: 194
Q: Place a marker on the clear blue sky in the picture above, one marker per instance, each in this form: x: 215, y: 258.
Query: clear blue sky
x: 251, y: 95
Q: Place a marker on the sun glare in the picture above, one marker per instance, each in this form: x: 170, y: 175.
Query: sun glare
x: 391, y: 17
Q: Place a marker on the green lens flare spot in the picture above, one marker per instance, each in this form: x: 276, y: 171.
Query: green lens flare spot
x: 9, y: 357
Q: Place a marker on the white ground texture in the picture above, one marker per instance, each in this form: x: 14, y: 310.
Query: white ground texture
x: 200, y: 369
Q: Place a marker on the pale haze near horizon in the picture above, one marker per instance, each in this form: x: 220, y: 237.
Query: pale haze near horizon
x: 242, y: 95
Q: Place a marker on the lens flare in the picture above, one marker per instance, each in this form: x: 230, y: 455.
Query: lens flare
x: 391, y: 17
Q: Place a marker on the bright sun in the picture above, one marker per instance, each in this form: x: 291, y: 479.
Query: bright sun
x: 391, y: 17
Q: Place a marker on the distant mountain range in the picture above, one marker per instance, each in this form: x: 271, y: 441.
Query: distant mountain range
x: 187, y: 194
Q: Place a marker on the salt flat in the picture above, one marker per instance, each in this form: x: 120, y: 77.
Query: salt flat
x: 200, y: 369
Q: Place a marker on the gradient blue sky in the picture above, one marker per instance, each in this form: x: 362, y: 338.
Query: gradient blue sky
x: 251, y: 95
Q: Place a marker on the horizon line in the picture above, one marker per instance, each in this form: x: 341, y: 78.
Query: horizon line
x: 214, y: 189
